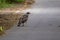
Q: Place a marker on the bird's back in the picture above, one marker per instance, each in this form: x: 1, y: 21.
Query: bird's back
x: 24, y: 18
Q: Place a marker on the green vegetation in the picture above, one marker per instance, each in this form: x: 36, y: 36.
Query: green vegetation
x: 20, y: 0
x: 8, y: 3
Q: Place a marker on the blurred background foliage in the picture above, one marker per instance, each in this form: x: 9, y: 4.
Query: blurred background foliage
x: 8, y: 3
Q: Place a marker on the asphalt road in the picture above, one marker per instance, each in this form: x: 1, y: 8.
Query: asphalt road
x: 43, y: 24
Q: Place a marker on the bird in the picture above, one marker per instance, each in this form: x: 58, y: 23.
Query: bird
x: 23, y: 19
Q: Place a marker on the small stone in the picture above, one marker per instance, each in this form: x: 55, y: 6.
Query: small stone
x: 59, y: 26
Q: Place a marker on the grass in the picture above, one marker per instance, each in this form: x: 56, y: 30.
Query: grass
x: 20, y: 1
x: 4, y: 5
x: 7, y: 5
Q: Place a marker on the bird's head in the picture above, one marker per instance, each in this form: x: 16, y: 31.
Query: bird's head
x: 28, y: 13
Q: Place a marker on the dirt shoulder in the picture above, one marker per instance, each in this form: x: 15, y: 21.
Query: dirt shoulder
x: 27, y: 4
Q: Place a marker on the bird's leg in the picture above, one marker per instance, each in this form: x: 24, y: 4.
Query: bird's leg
x: 22, y: 24
x: 19, y: 24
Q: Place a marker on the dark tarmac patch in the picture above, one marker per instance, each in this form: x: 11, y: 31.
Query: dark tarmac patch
x: 50, y: 24
x: 59, y: 26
